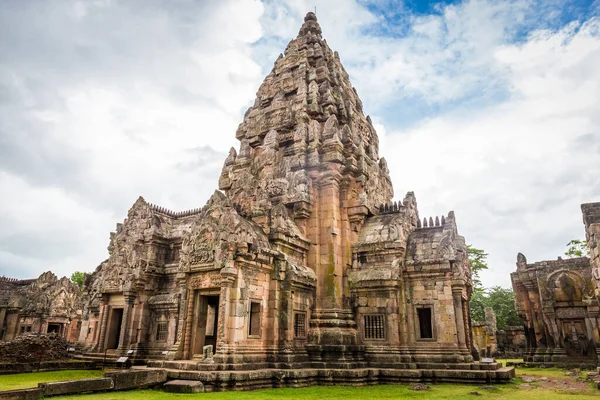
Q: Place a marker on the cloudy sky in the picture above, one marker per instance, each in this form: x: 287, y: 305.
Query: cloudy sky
x: 488, y: 108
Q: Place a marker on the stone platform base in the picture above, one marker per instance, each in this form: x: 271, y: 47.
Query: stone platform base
x: 183, y: 386
x: 218, y: 381
x: 557, y: 364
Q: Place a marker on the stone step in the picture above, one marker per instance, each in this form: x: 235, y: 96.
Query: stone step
x: 183, y: 386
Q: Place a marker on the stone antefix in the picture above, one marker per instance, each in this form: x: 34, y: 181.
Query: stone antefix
x: 556, y: 301
x: 43, y: 305
x: 300, y: 260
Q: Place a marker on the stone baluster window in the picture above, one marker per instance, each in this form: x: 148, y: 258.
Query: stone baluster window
x: 374, y: 326
x: 162, y: 331
x: 300, y: 325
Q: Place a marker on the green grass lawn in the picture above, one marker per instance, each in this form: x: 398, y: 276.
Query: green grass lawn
x: 541, y: 389
x: 445, y: 391
x: 31, y: 379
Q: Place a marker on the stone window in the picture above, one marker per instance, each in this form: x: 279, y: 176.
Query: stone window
x: 25, y: 328
x: 254, y: 320
x: 162, y: 330
x: 425, y: 323
x: 300, y: 324
x: 374, y: 326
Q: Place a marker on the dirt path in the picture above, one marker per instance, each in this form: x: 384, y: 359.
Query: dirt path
x: 566, y: 384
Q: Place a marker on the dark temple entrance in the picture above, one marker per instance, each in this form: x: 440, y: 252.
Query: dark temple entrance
x: 206, y: 312
x: 54, y: 328
x: 114, y: 328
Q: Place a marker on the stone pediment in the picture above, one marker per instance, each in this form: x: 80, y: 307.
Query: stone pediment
x: 218, y: 234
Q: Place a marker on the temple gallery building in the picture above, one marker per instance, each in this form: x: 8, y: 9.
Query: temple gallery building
x: 300, y: 258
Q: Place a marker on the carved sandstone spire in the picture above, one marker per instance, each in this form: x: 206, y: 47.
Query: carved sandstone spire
x: 307, y: 119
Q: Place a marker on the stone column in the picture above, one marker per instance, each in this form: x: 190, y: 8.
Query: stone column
x: 458, y: 315
x: 332, y: 326
x: 103, y: 322
x: 228, y: 278
x: 126, y: 323
x: 189, y: 328
x: 538, y: 325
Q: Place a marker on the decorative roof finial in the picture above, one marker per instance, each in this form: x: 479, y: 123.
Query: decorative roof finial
x: 310, y: 25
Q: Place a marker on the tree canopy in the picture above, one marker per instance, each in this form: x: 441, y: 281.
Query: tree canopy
x: 577, y: 248
x: 501, y: 300
x: 78, y: 277
x: 478, y: 261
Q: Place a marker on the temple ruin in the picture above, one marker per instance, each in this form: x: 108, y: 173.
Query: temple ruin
x: 43, y: 305
x: 557, y: 303
x: 300, y: 259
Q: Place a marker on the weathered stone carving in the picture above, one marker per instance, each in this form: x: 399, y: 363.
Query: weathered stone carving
x: 556, y: 301
x: 45, y: 304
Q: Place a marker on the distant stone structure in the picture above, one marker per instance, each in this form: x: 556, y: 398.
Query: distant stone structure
x: 511, y: 342
x: 556, y: 301
x: 484, y: 334
x: 43, y: 305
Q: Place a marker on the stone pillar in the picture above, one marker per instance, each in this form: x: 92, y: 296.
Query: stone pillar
x: 459, y: 316
x: 182, y: 314
x: 329, y: 270
x: 228, y: 278
x: 538, y: 325
x: 332, y: 326
x: 103, y: 323
x: 126, y: 323
x: 189, y: 328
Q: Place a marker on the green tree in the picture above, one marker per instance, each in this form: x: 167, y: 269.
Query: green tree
x: 77, y: 277
x: 478, y: 261
x: 502, y: 301
x: 577, y: 248
x: 478, y: 303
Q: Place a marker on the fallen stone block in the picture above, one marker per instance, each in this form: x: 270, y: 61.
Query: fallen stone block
x: 132, y: 379
x: 78, y: 386
x: 184, y: 386
x: 22, y: 394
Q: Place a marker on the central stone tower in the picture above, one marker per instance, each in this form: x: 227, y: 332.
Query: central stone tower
x: 300, y: 262
x: 307, y: 145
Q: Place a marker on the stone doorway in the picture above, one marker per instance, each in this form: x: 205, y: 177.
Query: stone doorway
x: 114, y: 328
x: 576, y: 342
x: 54, y: 328
x: 206, y: 319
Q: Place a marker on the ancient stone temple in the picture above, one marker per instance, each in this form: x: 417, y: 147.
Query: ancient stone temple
x: 43, y: 305
x: 556, y: 301
x: 300, y: 259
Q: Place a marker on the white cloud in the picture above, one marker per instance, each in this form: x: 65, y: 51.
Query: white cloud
x: 516, y: 172
x: 103, y: 101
